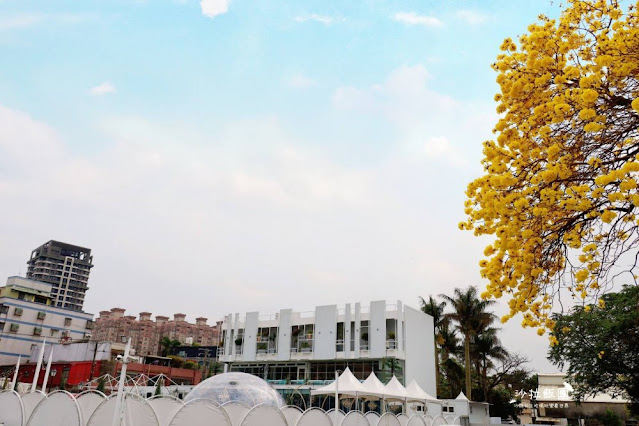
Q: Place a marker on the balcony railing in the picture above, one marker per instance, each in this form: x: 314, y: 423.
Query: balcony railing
x: 304, y: 345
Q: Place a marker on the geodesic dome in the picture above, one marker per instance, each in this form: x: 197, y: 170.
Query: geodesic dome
x: 240, y: 387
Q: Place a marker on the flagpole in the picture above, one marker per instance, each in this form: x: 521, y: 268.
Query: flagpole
x: 15, y: 373
x: 46, y: 373
x: 38, y: 367
x: 117, y: 415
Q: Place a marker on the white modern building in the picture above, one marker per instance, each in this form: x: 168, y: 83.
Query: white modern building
x: 27, y: 316
x: 295, y: 348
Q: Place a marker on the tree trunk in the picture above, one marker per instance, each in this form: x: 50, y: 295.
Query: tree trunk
x: 484, y: 374
x: 467, y: 356
x: 436, y: 372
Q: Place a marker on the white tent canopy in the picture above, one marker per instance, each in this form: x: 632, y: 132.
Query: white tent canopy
x: 416, y: 393
x: 347, y: 384
x: 461, y: 397
x: 395, y: 390
x: 373, y: 387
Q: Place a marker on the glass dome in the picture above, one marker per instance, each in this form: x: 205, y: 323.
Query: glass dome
x: 239, y: 387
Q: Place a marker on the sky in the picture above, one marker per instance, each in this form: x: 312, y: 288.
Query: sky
x: 223, y: 157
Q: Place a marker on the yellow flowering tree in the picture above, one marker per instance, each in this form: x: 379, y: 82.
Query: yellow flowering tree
x: 559, y: 194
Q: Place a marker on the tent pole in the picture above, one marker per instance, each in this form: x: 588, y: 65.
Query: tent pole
x: 336, y: 395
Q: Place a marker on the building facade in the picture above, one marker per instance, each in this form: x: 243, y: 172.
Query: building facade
x: 28, y: 315
x: 553, y: 402
x: 66, y: 267
x: 147, y: 333
x: 306, y: 347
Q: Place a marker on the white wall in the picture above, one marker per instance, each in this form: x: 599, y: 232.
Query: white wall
x: 420, y: 349
x: 284, y: 335
x: 81, y: 351
x: 18, y: 343
x: 325, y: 332
x: 479, y: 413
x: 249, y: 351
x: 377, y: 329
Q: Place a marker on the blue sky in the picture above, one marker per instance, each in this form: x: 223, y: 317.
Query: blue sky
x: 251, y: 155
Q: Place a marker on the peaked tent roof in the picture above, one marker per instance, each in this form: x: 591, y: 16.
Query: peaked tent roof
x: 373, y: 387
x: 347, y: 384
x: 461, y: 397
x: 416, y: 393
x: 395, y: 390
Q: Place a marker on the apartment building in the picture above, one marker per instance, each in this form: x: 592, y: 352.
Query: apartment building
x: 146, y: 332
x: 385, y: 338
x: 66, y: 267
x: 28, y: 315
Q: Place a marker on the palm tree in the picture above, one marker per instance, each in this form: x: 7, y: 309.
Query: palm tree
x: 470, y: 317
x: 436, y: 310
x: 392, y: 364
x: 486, y: 348
x: 168, y: 345
x: 450, y: 349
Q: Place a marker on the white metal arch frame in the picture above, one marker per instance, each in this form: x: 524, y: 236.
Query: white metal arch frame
x: 264, y: 415
x: 355, y: 418
x: 292, y: 414
x: 236, y: 410
x: 164, y: 407
x: 31, y: 401
x: 11, y: 408
x: 59, y: 408
x: 137, y: 412
x: 88, y: 401
x: 416, y: 420
x: 388, y: 419
x: 201, y: 412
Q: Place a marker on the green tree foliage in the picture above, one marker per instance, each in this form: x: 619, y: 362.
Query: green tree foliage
x: 176, y: 361
x: 495, y: 374
x: 470, y: 317
x: 158, y: 386
x: 191, y: 365
x: 101, y: 385
x: 600, y: 346
x: 390, y: 367
x: 486, y: 348
x: 501, y: 405
x: 610, y: 418
x: 168, y: 346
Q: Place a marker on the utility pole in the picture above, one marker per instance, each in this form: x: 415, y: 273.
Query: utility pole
x: 206, y: 352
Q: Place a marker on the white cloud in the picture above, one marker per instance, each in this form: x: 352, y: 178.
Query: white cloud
x: 411, y: 18
x: 20, y: 21
x: 102, y: 89
x: 247, y: 215
x: 439, y: 147
x: 213, y: 8
x: 421, y: 115
x: 326, y: 20
x: 472, y: 17
x: 300, y: 81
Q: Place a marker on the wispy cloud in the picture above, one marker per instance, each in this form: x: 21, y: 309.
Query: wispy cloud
x: 472, y: 17
x: 411, y: 18
x: 213, y: 8
x: 29, y: 20
x: 323, y: 19
x: 102, y: 89
x: 20, y: 21
x: 300, y: 81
